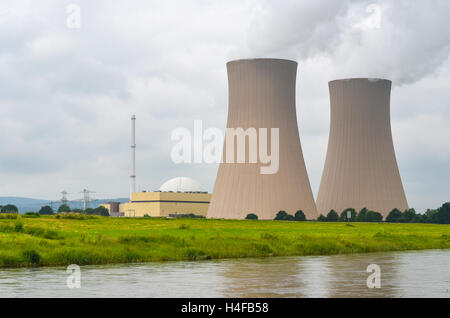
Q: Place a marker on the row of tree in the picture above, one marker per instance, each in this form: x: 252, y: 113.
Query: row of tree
x: 48, y: 210
x: 101, y: 210
x: 436, y: 216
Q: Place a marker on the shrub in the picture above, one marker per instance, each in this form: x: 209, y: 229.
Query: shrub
x: 31, y: 215
x: 18, y: 226
x: 74, y: 216
x: 251, y: 216
x: 394, y: 216
x: 322, y: 218
x: 46, y: 210
x: 299, y: 216
x: 361, y: 217
x: 32, y: 257
x: 9, y: 208
x: 344, y: 218
x: 101, y: 210
x: 430, y: 216
x: 282, y: 216
x: 89, y: 211
x: 408, y: 215
x: 332, y: 216
x: 372, y: 216
x: 64, y: 208
x: 419, y: 218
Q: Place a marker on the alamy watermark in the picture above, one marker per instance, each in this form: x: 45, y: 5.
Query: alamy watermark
x: 374, y: 279
x: 74, y: 278
x: 241, y: 146
x: 73, y: 20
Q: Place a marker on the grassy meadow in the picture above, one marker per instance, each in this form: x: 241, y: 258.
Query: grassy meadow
x: 51, y: 241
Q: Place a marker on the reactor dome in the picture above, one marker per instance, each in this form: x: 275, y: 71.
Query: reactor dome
x: 181, y: 184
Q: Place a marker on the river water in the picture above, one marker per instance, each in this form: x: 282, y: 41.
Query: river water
x: 402, y: 274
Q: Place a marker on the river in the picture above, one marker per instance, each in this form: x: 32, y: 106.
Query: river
x: 402, y: 274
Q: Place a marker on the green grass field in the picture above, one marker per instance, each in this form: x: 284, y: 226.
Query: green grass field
x: 49, y: 241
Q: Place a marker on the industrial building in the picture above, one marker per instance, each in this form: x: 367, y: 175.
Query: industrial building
x: 262, y: 95
x: 360, y: 168
x: 175, y: 198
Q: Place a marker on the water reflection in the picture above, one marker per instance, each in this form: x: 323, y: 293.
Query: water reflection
x: 405, y: 274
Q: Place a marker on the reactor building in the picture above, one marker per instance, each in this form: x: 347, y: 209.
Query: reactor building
x: 360, y: 167
x: 262, y: 96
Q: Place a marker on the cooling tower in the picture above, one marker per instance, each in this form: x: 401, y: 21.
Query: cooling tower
x: 360, y: 167
x: 262, y: 95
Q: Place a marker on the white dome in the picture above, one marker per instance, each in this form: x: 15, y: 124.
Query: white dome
x: 181, y: 184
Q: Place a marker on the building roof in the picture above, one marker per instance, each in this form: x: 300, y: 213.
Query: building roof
x: 181, y: 184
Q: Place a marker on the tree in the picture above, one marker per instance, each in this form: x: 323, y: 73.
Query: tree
x: 299, y: 216
x: 408, y: 215
x: 394, y: 216
x: 46, y: 210
x: 372, y: 216
x: 89, y: 211
x: 344, y: 218
x: 419, y: 218
x: 443, y: 214
x: 361, y: 217
x: 322, y: 218
x: 64, y: 208
x: 430, y: 216
x: 251, y: 216
x: 281, y: 215
x: 9, y: 208
x: 332, y: 216
x: 101, y: 210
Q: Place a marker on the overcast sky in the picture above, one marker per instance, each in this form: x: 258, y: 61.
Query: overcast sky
x: 67, y: 94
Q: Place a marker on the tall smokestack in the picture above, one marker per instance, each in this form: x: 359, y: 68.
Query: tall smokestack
x: 262, y: 95
x: 360, y: 168
x: 133, y: 156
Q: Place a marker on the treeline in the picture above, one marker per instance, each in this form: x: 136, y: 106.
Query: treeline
x: 435, y: 216
x: 63, y: 208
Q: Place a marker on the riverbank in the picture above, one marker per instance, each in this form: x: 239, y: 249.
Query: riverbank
x: 51, y: 241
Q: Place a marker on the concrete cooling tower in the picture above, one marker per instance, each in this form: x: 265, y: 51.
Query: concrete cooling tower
x: 360, y: 167
x: 262, y: 95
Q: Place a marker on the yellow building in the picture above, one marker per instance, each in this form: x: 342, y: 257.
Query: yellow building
x: 178, y: 196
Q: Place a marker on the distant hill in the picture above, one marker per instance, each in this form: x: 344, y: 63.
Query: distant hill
x: 34, y: 205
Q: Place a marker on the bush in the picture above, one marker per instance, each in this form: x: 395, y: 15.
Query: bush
x: 64, y: 208
x: 332, y: 216
x: 283, y: 216
x: 322, y: 218
x: 89, y: 211
x: 31, y: 215
x: 430, y: 216
x: 46, y: 210
x: 394, y: 216
x: 408, y: 215
x: 344, y: 218
x: 419, y: 218
x: 361, y: 217
x: 18, y: 226
x: 299, y: 216
x: 101, y: 210
x: 74, y: 216
x: 251, y: 216
x: 372, y: 216
x: 32, y: 257
x: 9, y: 208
